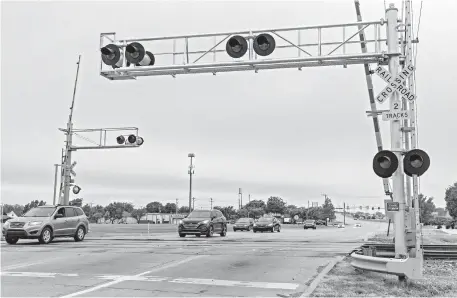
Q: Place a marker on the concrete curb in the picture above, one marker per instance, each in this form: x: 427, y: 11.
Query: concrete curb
x: 321, y: 275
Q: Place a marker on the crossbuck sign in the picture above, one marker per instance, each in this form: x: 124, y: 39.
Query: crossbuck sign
x: 395, y: 84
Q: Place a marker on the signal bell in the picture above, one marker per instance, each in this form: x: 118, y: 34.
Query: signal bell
x: 136, y: 54
x: 236, y: 46
x: 416, y: 162
x: 264, y: 44
x: 385, y: 163
x: 112, y: 55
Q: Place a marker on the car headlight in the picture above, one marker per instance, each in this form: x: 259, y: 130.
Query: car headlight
x: 180, y: 222
x: 35, y: 223
x: 270, y: 225
x: 204, y: 222
x: 255, y: 225
x: 6, y: 225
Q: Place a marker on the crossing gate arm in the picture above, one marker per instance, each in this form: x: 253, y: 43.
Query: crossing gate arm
x: 409, y: 267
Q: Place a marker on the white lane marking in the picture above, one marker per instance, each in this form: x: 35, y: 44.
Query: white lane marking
x: 38, y: 274
x: 202, y: 281
x: 235, y: 283
x: 121, y: 279
x: 16, y: 266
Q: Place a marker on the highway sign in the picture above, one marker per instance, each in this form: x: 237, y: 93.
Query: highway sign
x: 393, y: 206
x: 395, y: 84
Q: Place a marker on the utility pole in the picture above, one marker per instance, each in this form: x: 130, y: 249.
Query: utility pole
x: 211, y: 203
x: 249, y: 198
x: 176, y: 209
x: 191, y: 172
x: 396, y: 135
x: 240, y: 200
x: 307, y: 212
x: 193, y: 201
x: 344, y: 214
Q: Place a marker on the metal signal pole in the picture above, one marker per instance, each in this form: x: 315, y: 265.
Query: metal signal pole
x: 396, y: 135
x: 191, y: 172
x: 211, y: 203
x: 67, y: 159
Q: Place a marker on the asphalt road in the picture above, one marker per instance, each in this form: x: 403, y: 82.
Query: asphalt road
x: 114, y: 261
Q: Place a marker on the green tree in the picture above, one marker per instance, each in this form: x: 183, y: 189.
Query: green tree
x: 256, y: 204
x: 328, y: 210
x: 33, y: 204
x: 183, y: 209
x: 451, y: 200
x: 170, y: 208
x: 154, y: 207
x: 276, y: 205
x: 315, y: 213
x: 16, y: 208
x: 76, y: 202
x: 138, y: 214
x: 116, y: 210
x: 427, y: 207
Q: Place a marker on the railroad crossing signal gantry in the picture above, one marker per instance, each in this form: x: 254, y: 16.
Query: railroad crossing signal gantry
x: 253, y: 50
x: 298, y: 47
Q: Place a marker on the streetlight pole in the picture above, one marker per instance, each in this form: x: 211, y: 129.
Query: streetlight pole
x: 211, y: 203
x: 176, y: 209
x: 191, y: 172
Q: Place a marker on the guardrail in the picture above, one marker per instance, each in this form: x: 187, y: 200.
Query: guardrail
x: 431, y: 251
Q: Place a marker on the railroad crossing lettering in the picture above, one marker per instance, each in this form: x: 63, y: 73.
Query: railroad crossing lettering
x: 395, y: 84
x: 394, y: 115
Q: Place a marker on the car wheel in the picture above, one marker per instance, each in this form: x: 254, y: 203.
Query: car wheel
x: 46, y: 236
x: 11, y: 240
x: 314, y: 228
x: 210, y: 231
x: 80, y: 234
x: 279, y: 229
x: 255, y: 231
x: 198, y: 235
x: 234, y: 230
x: 249, y: 229
x: 182, y: 235
x: 224, y: 231
x: 273, y: 229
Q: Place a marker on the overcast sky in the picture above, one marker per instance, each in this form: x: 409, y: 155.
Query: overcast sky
x: 275, y: 133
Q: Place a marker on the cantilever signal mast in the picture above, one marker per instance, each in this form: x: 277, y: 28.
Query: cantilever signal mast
x: 129, y: 140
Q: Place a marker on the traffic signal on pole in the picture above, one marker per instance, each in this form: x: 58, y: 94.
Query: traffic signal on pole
x: 76, y: 189
x: 112, y: 55
x: 136, y: 54
x: 264, y: 44
x: 416, y: 162
x: 385, y: 163
x: 236, y: 46
x: 131, y: 140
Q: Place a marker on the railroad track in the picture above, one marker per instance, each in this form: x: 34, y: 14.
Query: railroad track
x: 431, y: 251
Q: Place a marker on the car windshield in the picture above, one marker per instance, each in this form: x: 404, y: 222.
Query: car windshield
x: 266, y: 219
x: 200, y: 214
x: 309, y: 221
x: 243, y: 220
x: 40, y: 212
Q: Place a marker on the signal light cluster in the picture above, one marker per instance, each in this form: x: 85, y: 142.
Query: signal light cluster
x: 131, y: 140
x: 415, y: 162
x: 113, y: 55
